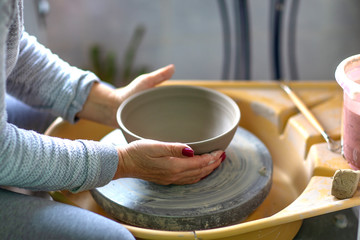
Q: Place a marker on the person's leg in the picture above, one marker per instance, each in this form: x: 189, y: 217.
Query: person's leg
x: 26, y: 117
x: 28, y: 217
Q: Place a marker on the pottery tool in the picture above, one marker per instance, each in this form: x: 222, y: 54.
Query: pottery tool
x: 225, y: 197
x: 333, y: 145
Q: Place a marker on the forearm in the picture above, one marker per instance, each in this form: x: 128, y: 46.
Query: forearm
x: 34, y: 161
x: 43, y: 80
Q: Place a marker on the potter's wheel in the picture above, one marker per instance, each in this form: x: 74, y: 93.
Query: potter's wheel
x: 225, y: 197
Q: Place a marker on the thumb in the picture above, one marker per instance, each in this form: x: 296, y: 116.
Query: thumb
x: 187, y: 151
x: 171, y: 149
x: 179, y: 150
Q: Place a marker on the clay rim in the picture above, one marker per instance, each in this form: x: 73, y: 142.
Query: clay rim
x: 351, y: 88
x: 160, y: 88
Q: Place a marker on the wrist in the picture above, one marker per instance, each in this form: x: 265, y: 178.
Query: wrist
x: 101, y: 105
x: 120, y: 171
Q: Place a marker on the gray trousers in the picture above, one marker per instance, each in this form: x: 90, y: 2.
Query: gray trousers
x: 29, y: 217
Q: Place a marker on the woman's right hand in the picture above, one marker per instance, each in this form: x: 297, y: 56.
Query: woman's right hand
x: 165, y: 163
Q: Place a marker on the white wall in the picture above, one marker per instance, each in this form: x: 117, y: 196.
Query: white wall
x: 188, y: 34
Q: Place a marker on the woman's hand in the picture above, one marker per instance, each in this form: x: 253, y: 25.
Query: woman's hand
x: 144, y: 82
x: 103, y: 101
x: 165, y: 163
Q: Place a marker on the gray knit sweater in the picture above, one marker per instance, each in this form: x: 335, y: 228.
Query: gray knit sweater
x: 34, y: 75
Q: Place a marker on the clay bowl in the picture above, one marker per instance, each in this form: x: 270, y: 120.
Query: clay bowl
x: 204, y: 119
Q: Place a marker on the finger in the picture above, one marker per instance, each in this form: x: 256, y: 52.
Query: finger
x: 198, y: 166
x: 201, y: 161
x: 181, y: 150
x: 194, y: 176
x: 154, y: 78
x: 169, y: 149
x: 161, y: 75
x: 174, y: 166
x: 181, y: 155
x: 188, y: 170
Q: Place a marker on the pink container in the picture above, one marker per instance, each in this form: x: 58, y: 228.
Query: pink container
x: 347, y: 75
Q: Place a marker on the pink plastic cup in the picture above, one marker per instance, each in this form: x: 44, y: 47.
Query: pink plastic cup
x: 347, y: 75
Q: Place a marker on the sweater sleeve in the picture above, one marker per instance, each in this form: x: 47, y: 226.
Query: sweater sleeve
x: 43, y: 80
x: 34, y: 161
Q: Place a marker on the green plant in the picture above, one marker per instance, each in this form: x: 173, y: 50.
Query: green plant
x: 105, y: 70
x: 129, y: 72
x: 106, y: 67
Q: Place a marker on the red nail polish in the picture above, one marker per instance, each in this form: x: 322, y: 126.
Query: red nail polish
x: 188, y: 152
x: 223, y: 156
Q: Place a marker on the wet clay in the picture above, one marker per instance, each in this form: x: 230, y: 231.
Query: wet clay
x: 351, y: 137
x: 345, y: 183
x: 225, y: 197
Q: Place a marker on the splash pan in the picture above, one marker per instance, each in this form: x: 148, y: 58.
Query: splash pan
x: 227, y: 196
x: 303, y: 166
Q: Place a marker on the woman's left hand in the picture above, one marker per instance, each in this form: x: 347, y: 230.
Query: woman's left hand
x: 145, y: 81
x: 103, y: 101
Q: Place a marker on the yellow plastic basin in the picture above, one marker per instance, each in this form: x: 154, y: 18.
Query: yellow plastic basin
x: 303, y: 166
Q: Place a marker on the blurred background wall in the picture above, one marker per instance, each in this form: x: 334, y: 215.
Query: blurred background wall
x: 142, y: 35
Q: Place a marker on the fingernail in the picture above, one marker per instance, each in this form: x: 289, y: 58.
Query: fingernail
x: 188, y: 152
x: 223, y: 156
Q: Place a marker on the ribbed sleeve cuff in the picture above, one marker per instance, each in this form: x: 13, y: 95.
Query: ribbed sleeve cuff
x: 102, y: 165
x: 82, y: 91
